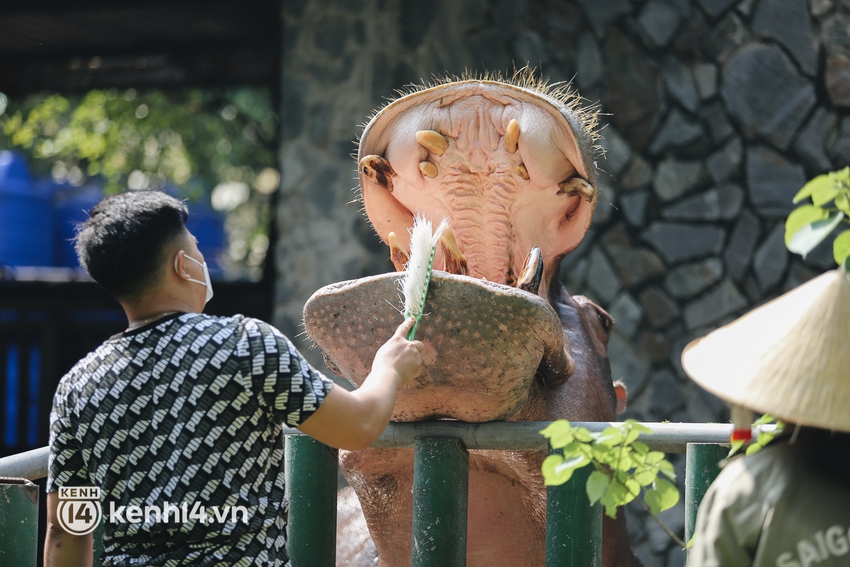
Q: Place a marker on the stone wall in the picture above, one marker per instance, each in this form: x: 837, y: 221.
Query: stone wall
x: 716, y: 113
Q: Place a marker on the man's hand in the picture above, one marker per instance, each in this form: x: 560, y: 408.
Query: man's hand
x: 353, y: 420
x: 62, y: 549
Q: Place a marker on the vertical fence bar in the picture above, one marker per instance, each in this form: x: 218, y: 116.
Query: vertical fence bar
x: 18, y: 522
x: 97, y: 542
x: 311, y: 482
x: 573, y: 526
x: 440, y: 503
x: 702, y: 465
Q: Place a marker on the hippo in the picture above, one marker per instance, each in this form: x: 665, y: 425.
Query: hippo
x: 510, y: 163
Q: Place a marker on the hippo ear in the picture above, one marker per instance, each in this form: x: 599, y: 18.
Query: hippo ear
x: 385, y: 212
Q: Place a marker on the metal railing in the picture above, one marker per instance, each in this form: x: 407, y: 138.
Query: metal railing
x: 440, y: 488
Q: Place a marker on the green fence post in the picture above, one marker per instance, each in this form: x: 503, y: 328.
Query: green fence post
x: 311, y: 483
x: 97, y: 543
x: 573, y: 526
x: 440, y: 502
x: 18, y: 522
x: 702, y: 465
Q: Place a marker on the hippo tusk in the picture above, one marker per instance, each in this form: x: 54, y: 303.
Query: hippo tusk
x: 532, y: 271
x: 454, y: 260
x: 378, y: 170
x: 398, y: 255
x: 428, y: 169
x: 433, y: 141
x: 577, y: 186
x: 522, y: 171
x: 512, y: 136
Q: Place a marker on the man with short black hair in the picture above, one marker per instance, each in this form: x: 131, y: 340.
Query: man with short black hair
x: 185, y: 410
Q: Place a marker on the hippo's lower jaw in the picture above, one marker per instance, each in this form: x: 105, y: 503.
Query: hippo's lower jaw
x: 476, y: 368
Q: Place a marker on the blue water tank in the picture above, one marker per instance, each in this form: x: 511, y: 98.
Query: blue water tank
x: 26, y: 216
x: 72, y: 206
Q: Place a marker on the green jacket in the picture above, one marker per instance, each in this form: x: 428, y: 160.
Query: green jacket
x: 773, y: 509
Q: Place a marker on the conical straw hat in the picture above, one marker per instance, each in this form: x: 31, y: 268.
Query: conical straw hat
x: 789, y: 358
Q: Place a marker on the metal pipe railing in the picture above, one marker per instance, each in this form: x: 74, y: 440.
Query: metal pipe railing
x: 497, y: 435
x: 574, y: 528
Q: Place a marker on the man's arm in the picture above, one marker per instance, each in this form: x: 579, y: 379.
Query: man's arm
x: 62, y: 549
x: 353, y: 420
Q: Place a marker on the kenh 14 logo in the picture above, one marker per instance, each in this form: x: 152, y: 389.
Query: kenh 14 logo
x: 79, y: 511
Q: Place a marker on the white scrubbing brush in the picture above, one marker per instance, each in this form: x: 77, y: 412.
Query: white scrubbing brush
x: 417, y: 272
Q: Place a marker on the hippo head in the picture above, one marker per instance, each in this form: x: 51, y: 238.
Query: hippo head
x: 509, y: 163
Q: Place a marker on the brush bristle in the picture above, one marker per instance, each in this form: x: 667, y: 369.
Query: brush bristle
x: 423, y: 243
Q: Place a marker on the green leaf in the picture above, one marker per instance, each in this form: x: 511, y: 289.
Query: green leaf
x: 818, y: 183
x: 597, y: 484
x: 764, y: 438
x: 823, y: 194
x: 841, y: 247
x: 666, y: 468
x: 800, y: 217
x: 842, y: 202
x: 560, y: 433
x: 638, y: 426
x: 646, y: 477
x: 663, y: 496
x: 616, y: 495
x: 571, y: 464
x: 641, y: 448
x: 690, y: 542
x: 754, y: 448
x: 654, y: 457
x: 550, y: 477
x: 632, y: 436
x: 582, y: 434
x: 810, y: 235
x: 610, y: 436
x: 571, y: 450
x: 736, y: 446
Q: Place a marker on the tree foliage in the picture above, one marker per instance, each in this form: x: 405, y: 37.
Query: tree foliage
x: 209, y: 146
x: 810, y: 224
x: 623, y: 465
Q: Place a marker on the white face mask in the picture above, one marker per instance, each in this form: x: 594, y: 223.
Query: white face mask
x: 207, y: 283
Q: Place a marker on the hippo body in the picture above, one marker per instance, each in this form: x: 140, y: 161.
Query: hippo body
x: 510, y: 164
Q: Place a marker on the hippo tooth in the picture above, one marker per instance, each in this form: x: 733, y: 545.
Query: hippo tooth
x: 455, y: 261
x: 532, y: 271
x: 378, y: 170
x: 577, y: 186
x: 432, y: 141
x: 522, y: 171
x: 512, y: 136
x: 398, y: 255
x: 428, y: 169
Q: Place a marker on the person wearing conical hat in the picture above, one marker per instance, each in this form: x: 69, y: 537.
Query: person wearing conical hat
x: 787, y: 505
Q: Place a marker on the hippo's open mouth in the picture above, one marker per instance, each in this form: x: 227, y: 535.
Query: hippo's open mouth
x: 484, y: 343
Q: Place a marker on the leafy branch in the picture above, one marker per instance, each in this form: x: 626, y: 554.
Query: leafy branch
x: 810, y: 224
x: 623, y: 466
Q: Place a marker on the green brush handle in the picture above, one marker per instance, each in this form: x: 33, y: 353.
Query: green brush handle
x: 412, y: 332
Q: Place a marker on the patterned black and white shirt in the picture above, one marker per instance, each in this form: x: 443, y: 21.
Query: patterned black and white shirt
x: 185, y: 413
